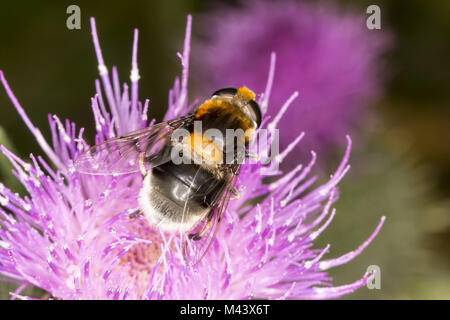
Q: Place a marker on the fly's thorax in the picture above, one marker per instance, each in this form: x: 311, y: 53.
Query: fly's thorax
x: 226, y: 124
x: 211, y: 151
x: 224, y: 113
x: 203, y: 149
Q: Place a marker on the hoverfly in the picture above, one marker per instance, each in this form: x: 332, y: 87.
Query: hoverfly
x: 188, y: 197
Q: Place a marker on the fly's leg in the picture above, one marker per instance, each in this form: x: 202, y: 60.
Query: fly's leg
x: 134, y: 214
x: 142, y: 166
x: 144, y: 173
x: 198, y: 235
x: 235, y: 192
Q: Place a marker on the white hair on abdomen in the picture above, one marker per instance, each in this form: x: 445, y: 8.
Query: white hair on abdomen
x: 162, y: 212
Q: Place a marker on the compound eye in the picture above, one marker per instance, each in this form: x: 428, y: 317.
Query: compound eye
x: 255, y: 112
x: 225, y: 92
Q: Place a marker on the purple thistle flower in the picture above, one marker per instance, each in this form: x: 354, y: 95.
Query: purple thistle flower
x: 73, y: 237
x: 326, y: 54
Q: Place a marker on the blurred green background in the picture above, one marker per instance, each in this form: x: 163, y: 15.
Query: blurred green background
x: 403, y: 172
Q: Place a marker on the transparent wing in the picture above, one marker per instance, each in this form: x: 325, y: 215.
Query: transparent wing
x: 121, y: 155
x: 197, y: 242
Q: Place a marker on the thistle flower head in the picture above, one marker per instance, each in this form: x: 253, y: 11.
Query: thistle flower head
x: 72, y: 234
x: 325, y: 53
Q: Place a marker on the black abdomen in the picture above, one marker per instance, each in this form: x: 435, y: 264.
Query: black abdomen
x: 189, y: 181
